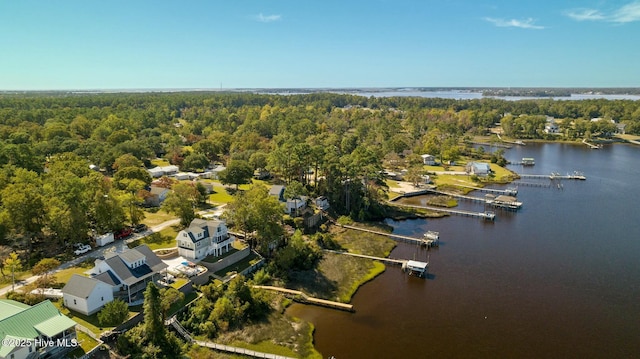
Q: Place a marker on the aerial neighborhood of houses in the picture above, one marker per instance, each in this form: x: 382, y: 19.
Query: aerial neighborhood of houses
x: 203, y: 247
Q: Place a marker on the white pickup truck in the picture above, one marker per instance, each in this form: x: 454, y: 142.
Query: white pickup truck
x: 81, y: 248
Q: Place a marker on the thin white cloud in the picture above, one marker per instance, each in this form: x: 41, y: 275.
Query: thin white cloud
x: 523, y: 24
x: 267, y: 18
x: 585, y: 14
x: 627, y: 13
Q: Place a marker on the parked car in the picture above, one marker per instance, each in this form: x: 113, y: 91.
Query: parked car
x: 123, y: 233
x: 81, y: 248
x: 139, y: 228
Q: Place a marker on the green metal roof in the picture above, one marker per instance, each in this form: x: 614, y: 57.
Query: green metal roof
x: 10, y: 307
x: 55, y: 325
x: 30, y: 322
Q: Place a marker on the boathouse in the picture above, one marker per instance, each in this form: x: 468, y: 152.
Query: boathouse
x: 528, y: 161
x: 416, y: 268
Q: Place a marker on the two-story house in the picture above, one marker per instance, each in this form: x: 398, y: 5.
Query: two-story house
x: 129, y: 272
x: 203, y: 238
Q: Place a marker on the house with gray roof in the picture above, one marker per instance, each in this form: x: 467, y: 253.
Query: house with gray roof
x: 202, y: 238
x: 478, y: 168
x: 87, y: 295
x: 129, y: 272
x: 26, y: 331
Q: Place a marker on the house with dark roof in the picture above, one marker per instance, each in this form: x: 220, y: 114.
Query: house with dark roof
x: 86, y: 295
x: 204, y: 237
x: 27, y: 331
x: 129, y: 272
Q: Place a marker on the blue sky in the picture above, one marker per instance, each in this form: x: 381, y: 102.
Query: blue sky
x: 140, y: 44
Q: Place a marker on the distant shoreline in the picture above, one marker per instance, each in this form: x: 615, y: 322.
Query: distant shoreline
x: 537, y: 92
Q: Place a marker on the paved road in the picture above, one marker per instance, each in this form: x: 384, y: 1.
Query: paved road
x: 115, y: 247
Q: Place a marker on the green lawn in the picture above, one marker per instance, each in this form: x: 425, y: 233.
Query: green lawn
x: 90, y: 322
x: 166, y: 238
x: 64, y: 275
x: 392, y: 183
x: 86, y: 343
x: 153, y: 219
x: 160, y: 162
x: 238, y: 266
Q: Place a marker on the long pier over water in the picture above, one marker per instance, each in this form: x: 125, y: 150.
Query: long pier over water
x: 459, y: 212
x: 556, y: 176
x: 423, y: 241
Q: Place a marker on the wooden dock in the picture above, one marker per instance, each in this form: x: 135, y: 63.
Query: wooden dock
x: 409, y: 266
x: 391, y: 261
x: 220, y: 347
x: 459, y: 212
x: 557, y: 176
x: 532, y: 184
x: 422, y: 241
x: 501, y: 201
x: 591, y: 145
x: 511, y: 191
x: 517, y: 142
x: 304, y: 298
x: 459, y: 196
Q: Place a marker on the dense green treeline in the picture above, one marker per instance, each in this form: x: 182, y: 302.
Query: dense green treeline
x: 332, y: 144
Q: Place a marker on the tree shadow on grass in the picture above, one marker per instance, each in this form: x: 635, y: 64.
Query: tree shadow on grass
x: 313, y: 283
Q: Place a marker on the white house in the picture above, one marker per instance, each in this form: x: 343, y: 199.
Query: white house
x: 163, y: 171
x: 551, y: 127
x: 478, y: 168
x: 296, y: 206
x: 203, y: 238
x: 429, y: 160
x: 25, y: 330
x: 215, y: 171
x: 291, y: 206
x: 128, y: 273
x: 322, y: 202
x: 86, y: 295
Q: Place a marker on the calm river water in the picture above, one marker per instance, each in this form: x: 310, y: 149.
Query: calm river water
x: 558, y: 279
